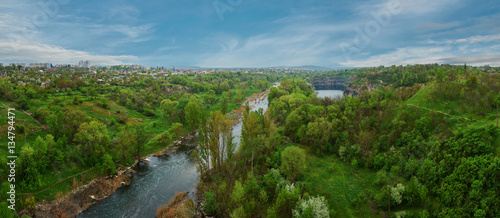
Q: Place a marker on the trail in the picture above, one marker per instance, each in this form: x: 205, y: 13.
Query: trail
x: 45, y: 189
x: 441, y: 112
x: 44, y: 126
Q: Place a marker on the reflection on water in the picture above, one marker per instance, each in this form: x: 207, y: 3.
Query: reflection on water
x: 329, y: 93
x: 154, y: 184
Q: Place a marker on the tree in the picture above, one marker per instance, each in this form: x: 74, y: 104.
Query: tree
x: 177, y: 129
x: 141, y: 135
x: 312, y: 207
x: 124, y: 142
x: 108, y: 166
x: 224, y: 104
x: 497, y: 101
x: 318, y: 133
x: 93, y: 140
x: 209, y: 98
x: 193, y: 113
x: 215, y: 141
x: 167, y: 106
x: 30, y: 176
x: 71, y: 119
x: 249, y: 131
x: 293, y: 162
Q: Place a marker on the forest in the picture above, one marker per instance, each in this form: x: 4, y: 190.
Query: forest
x: 422, y: 143
x: 415, y: 141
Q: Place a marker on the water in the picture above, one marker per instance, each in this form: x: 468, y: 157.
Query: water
x: 329, y: 93
x: 154, y: 184
x: 157, y: 182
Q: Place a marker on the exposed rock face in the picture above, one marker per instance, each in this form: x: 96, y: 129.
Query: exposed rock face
x: 82, y: 197
x: 337, y: 83
x: 354, y: 90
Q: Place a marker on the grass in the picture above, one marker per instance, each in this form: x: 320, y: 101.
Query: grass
x: 341, y: 184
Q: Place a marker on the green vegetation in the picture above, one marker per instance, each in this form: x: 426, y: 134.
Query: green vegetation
x: 423, y: 142
x: 417, y: 141
x: 69, y: 123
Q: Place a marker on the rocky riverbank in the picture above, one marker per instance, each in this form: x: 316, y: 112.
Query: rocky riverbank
x: 82, y: 197
x: 100, y: 188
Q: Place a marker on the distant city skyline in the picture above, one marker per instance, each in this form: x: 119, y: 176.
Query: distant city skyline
x: 250, y: 34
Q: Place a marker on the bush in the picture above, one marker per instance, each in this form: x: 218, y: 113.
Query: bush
x: 397, y: 193
x: 312, y: 207
x: 108, y: 166
x: 210, y: 207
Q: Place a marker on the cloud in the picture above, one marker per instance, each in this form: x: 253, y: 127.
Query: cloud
x: 20, y: 51
x: 20, y: 42
x: 492, y: 60
x: 403, y: 56
x: 476, y: 39
x: 271, y: 49
x: 440, y: 26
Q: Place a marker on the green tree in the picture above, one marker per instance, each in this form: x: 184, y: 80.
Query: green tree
x: 93, y: 140
x: 318, y: 133
x: 141, y: 135
x: 167, y: 107
x: 108, y: 166
x: 224, y: 104
x: 193, y: 113
x: 293, y: 162
x: 177, y: 129
x: 30, y: 176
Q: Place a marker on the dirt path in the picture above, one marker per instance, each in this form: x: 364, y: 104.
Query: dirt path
x: 441, y: 112
x: 44, y: 126
x: 45, y: 189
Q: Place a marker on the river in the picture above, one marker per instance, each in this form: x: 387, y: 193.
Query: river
x: 157, y: 181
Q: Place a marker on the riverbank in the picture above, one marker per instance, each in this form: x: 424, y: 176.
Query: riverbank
x: 255, y: 100
x: 81, y: 198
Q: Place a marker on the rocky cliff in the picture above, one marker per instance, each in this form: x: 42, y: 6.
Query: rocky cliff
x: 336, y: 83
x: 354, y: 89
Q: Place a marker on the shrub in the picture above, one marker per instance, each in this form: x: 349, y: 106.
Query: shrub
x: 108, y: 166
x: 210, y: 207
x: 397, y: 193
x: 312, y: 207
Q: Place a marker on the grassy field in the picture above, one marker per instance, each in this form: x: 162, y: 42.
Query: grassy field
x: 341, y: 184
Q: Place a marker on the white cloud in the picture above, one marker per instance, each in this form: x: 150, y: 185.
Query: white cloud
x: 265, y: 50
x: 492, y: 60
x: 20, y: 42
x: 403, y: 56
x: 38, y: 52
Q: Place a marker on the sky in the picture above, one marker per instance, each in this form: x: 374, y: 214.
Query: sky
x: 251, y: 33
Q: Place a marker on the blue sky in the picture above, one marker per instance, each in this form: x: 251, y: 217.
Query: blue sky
x: 251, y: 33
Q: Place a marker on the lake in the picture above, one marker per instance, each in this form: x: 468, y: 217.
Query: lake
x: 329, y: 93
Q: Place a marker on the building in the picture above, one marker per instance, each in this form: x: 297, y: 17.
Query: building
x: 40, y: 65
x: 17, y: 64
x: 84, y: 64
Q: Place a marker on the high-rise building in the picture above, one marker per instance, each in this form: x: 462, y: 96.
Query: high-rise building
x: 40, y: 65
x: 84, y: 64
x: 17, y: 64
